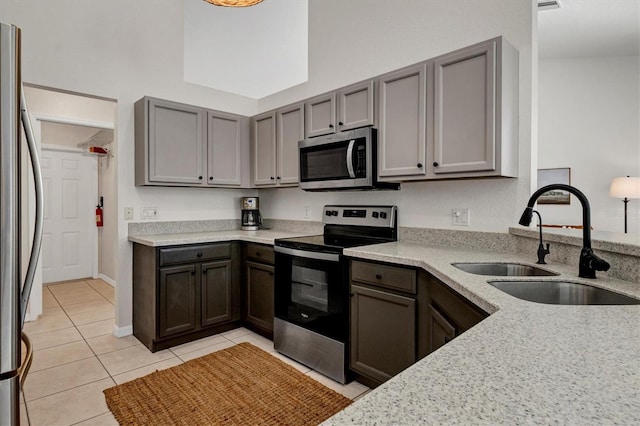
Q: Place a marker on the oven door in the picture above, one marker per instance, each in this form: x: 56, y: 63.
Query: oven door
x: 311, y: 291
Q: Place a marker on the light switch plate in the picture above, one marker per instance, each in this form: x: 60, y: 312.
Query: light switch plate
x: 460, y: 217
x: 128, y: 213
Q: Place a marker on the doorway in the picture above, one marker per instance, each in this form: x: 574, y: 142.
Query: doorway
x: 70, y: 183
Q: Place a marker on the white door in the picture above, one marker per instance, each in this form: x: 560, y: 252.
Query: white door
x: 70, y: 195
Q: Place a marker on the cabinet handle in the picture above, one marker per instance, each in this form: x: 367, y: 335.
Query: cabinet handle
x: 379, y: 276
x: 351, y: 294
x: 330, y: 126
x: 278, y: 177
x: 200, y: 177
x: 435, y: 164
x: 199, y: 254
x: 447, y: 339
x: 258, y: 254
x: 210, y: 177
x: 193, y: 272
x: 419, y: 165
x: 272, y: 178
x: 204, y: 271
x: 270, y: 273
x: 341, y: 123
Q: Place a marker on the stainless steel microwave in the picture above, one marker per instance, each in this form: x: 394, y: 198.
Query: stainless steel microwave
x: 346, y: 160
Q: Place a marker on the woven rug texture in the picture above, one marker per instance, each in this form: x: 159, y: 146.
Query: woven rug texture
x: 240, y: 385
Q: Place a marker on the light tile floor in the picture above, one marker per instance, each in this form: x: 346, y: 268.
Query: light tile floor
x: 76, y: 357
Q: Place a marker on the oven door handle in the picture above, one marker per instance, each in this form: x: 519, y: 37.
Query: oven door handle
x: 352, y: 173
x: 331, y: 257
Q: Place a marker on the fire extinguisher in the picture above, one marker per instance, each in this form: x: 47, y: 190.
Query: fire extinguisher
x: 99, y: 217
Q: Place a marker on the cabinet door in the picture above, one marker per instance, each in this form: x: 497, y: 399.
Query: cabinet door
x: 402, y: 123
x: 259, y: 295
x: 176, y: 143
x: 224, y: 149
x: 290, y: 130
x: 320, y: 115
x: 439, y: 330
x: 382, y: 333
x: 215, y: 293
x: 355, y: 106
x: 465, y: 114
x: 263, y: 140
x: 177, y: 300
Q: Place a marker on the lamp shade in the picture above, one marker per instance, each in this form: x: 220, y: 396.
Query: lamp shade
x: 625, y: 187
x: 234, y: 3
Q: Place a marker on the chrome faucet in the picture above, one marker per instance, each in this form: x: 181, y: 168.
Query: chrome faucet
x: 589, y: 263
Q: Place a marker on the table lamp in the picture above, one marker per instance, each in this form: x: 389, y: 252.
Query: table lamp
x: 625, y: 188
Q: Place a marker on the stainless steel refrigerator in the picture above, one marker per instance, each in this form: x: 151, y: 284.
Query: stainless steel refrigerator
x: 14, y: 292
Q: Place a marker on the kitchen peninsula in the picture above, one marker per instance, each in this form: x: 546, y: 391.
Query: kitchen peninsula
x: 525, y: 363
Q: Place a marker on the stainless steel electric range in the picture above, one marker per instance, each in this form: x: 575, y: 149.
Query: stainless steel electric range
x: 311, y: 322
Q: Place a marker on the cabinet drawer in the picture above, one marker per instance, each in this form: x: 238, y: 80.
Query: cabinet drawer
x: 194, y: 253
x: 260, y: 253
x: 402, y: 279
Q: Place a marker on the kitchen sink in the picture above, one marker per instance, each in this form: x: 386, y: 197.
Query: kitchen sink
x: 503, y: 269
x: 562, y: 293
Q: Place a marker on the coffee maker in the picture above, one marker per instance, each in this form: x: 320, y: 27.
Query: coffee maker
x: 251, y: 218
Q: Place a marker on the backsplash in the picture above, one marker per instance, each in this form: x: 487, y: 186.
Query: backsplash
x: 178, y: 227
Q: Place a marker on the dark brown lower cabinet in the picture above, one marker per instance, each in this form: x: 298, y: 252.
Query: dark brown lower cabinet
x: 383, y: 321
x: 443, y: 314
x: 258, y: 288
x: 183, y: 293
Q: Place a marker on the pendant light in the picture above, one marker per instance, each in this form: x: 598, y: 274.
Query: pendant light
x: 234, y: 3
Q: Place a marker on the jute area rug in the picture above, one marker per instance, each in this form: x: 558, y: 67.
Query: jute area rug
x: 240, y: 385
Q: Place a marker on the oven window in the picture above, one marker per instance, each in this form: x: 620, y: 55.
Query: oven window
x: 309, y: 287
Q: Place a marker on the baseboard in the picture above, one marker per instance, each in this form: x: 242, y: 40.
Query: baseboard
x: 107, y: 279
x: 122, y: 331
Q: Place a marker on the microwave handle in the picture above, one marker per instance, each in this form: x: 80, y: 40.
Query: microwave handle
x: 352, y: 173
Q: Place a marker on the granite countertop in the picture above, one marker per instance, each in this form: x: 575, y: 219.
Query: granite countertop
x: 263, y: 236
x: 528, y: 363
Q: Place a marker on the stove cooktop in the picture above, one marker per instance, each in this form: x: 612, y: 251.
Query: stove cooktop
x: 323, y: 243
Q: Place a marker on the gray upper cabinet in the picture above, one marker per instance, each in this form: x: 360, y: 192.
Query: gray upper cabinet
x: 356, y: 106
x: 263, y: 149
x: 274, y: 146
x: 185, y: 145
x: 402, y: 135
x: 321, y: 115
x: 476, y: 111
x: 225, y: 149
x: 170, y: 143
x: 290, y: 130
x: 349, y: 108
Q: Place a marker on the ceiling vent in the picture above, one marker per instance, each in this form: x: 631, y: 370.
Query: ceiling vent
x: 549, y: 4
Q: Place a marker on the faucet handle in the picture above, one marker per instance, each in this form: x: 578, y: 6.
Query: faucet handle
x: 542, y: 252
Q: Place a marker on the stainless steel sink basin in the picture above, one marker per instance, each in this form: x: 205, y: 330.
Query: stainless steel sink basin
x: 562, y: 293
x: 503, y: 269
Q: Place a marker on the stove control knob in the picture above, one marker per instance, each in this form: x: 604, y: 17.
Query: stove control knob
x: 327, y: 213
x: 383, y: 215
x: 335, y: 212
x: 374, y: 215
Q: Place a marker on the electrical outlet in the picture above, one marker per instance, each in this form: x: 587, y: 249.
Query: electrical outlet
x: 460, y: 217
x: 149, y: 213
x: 128, y: 213
x: 307, y: 212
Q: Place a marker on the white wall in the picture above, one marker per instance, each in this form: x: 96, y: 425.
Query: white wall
x: 357, y: 39
x: 124, y: 50
x: 590, y: 121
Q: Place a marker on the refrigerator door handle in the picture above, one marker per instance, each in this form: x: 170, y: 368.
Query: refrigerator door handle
x: 37, y: 234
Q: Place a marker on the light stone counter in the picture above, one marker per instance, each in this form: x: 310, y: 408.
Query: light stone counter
x: 261, y: 236
x: 528, y: 363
